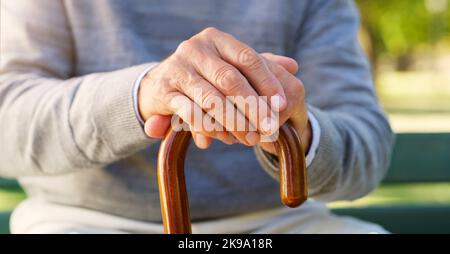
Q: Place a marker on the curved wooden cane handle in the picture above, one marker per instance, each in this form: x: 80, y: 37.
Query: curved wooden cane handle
x: 172, y: 186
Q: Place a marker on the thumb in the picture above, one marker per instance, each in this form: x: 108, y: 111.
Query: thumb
x: 156, y: 126
x: 288, y: 63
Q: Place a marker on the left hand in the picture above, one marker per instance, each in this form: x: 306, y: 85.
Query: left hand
x: 284, y: 69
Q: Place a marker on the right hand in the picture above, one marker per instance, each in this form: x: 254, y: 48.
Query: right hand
x: 220, y: 66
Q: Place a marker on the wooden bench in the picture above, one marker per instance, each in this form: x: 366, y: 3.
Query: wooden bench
x: 418, y: 158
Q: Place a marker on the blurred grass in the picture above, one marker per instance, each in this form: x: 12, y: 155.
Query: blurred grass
x: 10, y: 197
x: 415, y: 92
x: 388, y: 194
x: 417, y: 101
x: 402, y: 194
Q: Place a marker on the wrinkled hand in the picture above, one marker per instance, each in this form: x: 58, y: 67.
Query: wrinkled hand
x: 284, y: 69
x: 220, y: 66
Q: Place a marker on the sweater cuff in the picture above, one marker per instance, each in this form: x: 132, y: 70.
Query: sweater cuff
x: 114, y: 112
x: 136, y: 87
x: 328, y: 155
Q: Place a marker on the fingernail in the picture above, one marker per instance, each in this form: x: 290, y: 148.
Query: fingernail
x: 228, y: 139
x: 252, y: 138
x: 147, y: 128
x: 232, y: 138
x: 268, y: 125
x: 201, y: 141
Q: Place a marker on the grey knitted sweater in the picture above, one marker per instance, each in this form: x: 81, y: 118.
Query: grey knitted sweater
x: 69, y: 133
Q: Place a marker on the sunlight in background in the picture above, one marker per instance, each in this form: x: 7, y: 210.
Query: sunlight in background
x: 436, y: 6
x: 408, y: 43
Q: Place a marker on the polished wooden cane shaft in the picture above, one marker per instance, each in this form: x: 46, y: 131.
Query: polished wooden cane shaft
x: 172, y: 185
x: 292, y: 167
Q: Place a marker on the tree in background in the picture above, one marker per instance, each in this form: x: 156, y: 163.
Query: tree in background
x: 397, y: 27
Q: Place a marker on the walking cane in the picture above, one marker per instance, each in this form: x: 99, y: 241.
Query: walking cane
x: 172, y: 186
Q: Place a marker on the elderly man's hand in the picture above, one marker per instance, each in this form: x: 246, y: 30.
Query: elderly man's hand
x: 220, y: 66
x: 284, y: 69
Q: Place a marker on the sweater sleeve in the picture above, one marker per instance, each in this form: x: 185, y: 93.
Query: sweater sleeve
x: 356, y: 139
x: 51, y: 122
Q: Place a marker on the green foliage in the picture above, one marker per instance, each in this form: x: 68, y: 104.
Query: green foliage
x: 397, y: 27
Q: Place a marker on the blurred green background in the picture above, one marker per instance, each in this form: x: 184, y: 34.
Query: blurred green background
x: 408, y: 44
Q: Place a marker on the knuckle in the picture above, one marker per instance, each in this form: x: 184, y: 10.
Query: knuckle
x: 209, y: 31
x: 164, y: 87
x: 183, y: 45
x: 186, y: 47
x: 267, y: 83
x: 234, y: 87
x: 209, y: 99
x: 247, y: 57
x: 185, y: 112
x: 181, y: 79
x: 228, y: 80
x: 277, y: 70
x: 299, y: 88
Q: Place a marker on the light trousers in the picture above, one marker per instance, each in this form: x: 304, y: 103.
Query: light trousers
x: 36, y: 217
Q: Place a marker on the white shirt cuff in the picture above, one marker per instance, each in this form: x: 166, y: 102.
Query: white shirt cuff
x: 272, y: 161
x: 315, y: 128
x: 137, y: 85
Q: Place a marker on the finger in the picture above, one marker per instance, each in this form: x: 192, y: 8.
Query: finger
x: 231, y: 83
x: 288, y: 63
x: 156, y: 126
x: 217, y: 107
x: 296, y: 108
x: 190, y: 113
x: 250, y: 63
x: 201, y: 141
x: 194, y: 117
